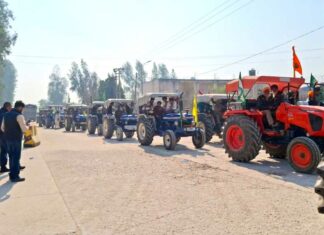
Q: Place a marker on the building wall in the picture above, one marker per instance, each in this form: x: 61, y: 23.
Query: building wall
x: 188, y: 87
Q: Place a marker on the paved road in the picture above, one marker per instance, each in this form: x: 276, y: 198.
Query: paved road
x: 80, y: 184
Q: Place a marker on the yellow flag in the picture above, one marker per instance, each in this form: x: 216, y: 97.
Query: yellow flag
x: 195, y: 109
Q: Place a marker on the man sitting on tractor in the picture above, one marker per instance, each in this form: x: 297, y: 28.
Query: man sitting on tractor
x: 110, y: 108
x: 314, y: 96
x: 265, y: 103
x: 172, y: 105
x: 278, y: 97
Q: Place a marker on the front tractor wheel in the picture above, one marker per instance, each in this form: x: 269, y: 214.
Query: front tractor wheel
x: 303, y: 154
x: 169, y: 140
x: 199, y: 139
x: 145, y: 131
x: 119, y: 133
x: 242, y: 138
x: 108, y: 128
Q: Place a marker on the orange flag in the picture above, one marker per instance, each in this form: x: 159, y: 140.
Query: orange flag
x: 296, y: 64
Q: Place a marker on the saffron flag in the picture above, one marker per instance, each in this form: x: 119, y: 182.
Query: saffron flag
x: 296, y: 63
x: 195, y: 109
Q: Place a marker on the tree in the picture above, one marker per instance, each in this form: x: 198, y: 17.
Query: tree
x: 83, y: 82
x: 155, y: 72
x: 163, y: 71
x: 7, y: 38
x: 141, y: 75
x: 43, y: 103
x: 129, y: 80
x: 173, y: 75
x: 57, y: 87
x: 8, y: 77
x: 108, y: 88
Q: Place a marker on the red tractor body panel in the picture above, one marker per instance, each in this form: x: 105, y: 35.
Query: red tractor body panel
x: 300, y: 116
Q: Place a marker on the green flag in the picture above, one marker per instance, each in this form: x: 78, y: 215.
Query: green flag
x: 240, y: 92
x: 313, y: 82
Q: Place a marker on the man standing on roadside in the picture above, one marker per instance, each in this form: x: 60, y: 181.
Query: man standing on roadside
x: 13, y: 127
x: 3, y: 154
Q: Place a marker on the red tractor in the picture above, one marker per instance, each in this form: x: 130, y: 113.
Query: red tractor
x: 299, y: 136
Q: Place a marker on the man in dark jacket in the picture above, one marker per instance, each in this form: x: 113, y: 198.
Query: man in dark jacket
x: 3, y: 154
x: 13, y: 127
x: 264, y: 104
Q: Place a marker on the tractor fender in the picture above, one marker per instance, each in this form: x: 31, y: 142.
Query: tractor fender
x: 256, y: 115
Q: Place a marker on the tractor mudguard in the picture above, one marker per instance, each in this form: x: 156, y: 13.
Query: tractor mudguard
x: 256, y: 115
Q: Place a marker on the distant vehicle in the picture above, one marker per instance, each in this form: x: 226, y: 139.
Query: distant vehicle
x: 75, y: 117
x: 30, y: 113
x: 119, y: 117
x: 95, y: 117
x: 57, y: 116
x: 211, y: 108
x: 169, y: 122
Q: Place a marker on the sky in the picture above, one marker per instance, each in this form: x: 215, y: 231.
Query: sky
x: 201, y: 38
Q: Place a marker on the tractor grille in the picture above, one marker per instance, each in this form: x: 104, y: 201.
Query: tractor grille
x: 316, y: 122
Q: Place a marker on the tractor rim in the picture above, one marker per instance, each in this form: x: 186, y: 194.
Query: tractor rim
x: 235, y: 138
x: 301, y: 156
x: 141, y: 131
x: 167, y: 140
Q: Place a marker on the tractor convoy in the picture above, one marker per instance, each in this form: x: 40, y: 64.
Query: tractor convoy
x: 290, y: 129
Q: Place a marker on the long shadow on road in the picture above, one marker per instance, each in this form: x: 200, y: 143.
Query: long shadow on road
x: 280, y: 169
x: 5, y: 188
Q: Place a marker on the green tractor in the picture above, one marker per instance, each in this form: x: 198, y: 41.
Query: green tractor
x: 211, y: 108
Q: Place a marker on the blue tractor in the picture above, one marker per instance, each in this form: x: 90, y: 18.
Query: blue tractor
x: 75, y: 117
x: 119, y: 117
x: 161, y: 114
x: 95, y: 117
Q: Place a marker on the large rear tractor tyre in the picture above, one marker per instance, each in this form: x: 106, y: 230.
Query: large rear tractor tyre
x: 242, y: 138
x: 92, y: 123
x: 67, y: 124
x: 169, y: 140
x: 108, y: 128
x: 100, y: 130
x: 119, y: 133
x: 129, y: 134
x: 275, y: 150
x: 145, y: 131
x: 199, y: 139
x: 303, y: 155
x: 206, y: 123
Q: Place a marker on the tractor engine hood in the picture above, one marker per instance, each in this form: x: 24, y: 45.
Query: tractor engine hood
x: 308, y: 118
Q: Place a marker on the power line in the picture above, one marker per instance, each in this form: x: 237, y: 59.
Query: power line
x: 192, y: 24
x: 265, y: 51
x: 185, y: 37
x: 196, y: 24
